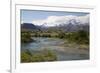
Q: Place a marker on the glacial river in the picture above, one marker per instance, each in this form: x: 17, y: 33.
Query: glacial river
x: 63, y: 52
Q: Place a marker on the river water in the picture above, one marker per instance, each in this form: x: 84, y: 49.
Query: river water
x: 63, y: 52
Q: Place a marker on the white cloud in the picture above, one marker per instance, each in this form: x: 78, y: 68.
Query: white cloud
x: 84, y: 19
x: 56, y: 20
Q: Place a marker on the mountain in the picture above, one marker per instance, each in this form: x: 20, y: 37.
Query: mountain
x: 74, y: 27
x: 70, y: 26
x: 29, y: 27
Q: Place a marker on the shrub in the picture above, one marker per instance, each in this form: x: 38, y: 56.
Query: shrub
x: 80, y: 37
x: 61, y: 35
x: 26, y: 37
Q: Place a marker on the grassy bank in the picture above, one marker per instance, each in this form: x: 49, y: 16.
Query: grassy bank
x: 26, y: 37
x: 44, y: 55
x: 79, y: 37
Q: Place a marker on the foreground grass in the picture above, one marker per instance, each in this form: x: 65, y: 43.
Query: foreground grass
x: 44, y: 55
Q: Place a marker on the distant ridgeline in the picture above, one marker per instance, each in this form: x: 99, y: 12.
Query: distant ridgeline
x: 61, y: 27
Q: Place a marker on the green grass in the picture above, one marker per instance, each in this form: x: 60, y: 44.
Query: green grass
x: 79, y: 37
x: 26, y: 37
x: 44, y: 55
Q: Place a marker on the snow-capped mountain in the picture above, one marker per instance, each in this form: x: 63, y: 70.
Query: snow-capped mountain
x: 64, y: 23
x: 59, y: 20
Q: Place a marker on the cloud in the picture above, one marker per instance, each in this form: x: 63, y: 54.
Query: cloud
x: 84, y: 19
x: 56, y: 20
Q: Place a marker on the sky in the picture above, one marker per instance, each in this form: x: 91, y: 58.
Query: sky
x: 51, y: 18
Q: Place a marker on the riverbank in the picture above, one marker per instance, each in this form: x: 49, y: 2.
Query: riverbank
x: 60, y: 47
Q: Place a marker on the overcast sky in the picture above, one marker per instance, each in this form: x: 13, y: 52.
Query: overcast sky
x: 52, y: 18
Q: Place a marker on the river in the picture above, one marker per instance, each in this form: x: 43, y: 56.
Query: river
x: 63, y: 52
